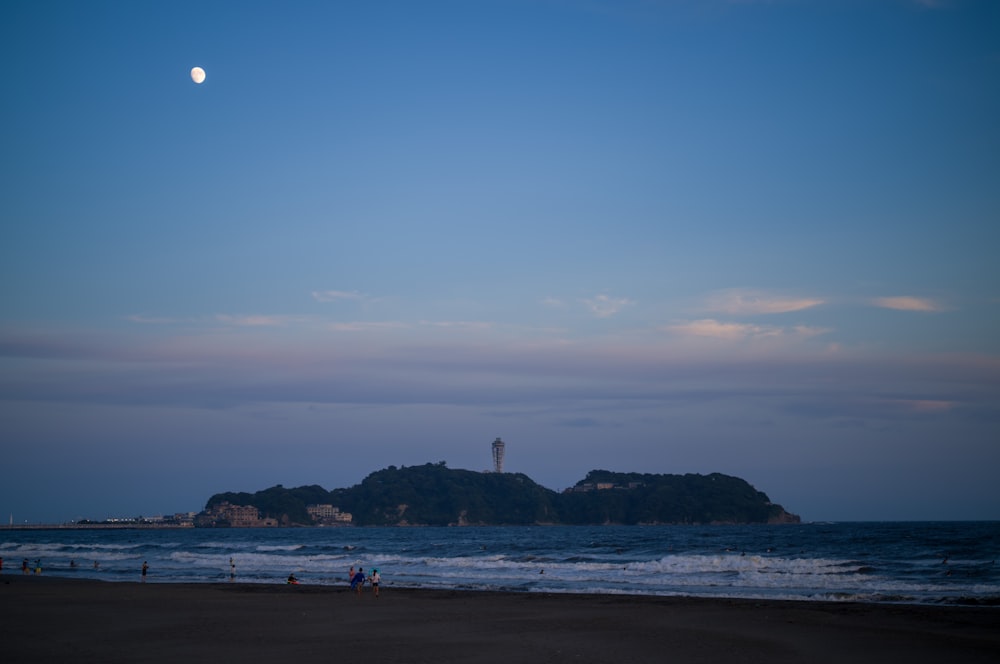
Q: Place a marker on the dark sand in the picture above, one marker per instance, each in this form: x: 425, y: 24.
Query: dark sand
x: 46, y: 619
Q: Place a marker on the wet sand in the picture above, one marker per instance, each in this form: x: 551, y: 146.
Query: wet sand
x: 47, y: 619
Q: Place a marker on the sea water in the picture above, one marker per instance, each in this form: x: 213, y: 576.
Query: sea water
x: 905, y: 562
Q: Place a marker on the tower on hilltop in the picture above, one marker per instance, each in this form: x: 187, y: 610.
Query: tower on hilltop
x: 498, y: 446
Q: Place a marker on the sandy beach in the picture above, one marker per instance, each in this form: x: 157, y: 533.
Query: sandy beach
x: 48, y: 619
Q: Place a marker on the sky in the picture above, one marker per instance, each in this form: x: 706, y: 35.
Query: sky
x: 758, y: 238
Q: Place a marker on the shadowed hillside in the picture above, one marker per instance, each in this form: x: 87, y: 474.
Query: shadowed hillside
x: 436, y: 495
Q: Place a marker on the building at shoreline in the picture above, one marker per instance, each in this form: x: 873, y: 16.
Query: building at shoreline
x: 328, y: 515
x: 235, y: 516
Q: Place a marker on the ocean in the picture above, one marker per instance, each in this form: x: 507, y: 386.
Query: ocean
x: 901, y: 562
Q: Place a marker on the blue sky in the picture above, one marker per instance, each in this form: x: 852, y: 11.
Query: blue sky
x: 757, y: 238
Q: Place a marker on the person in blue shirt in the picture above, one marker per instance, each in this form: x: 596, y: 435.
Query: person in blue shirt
x: 358, y: 581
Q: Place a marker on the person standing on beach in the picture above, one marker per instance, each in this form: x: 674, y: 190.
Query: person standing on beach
x: 24, y: 566
x: 38, y: 565
x: 232, y: 570
x: 358, y: 581
x: 375, y: 578
x: 145, y: 568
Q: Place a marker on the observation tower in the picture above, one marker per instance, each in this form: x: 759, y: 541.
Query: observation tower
x: 498, y: 446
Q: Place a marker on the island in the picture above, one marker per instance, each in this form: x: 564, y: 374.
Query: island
x: 435, y: 495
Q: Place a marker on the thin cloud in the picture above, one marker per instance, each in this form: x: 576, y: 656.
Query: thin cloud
x: 809, y: 330
x: 605, y: 306
x: 907, y: 303
x: 256, y: 320
x: 926, y: 406
x: 740, y: 302
x: 462, y: 324
x: 234, y: 320
x: 708, y: 327
x: 367, y: 326
x: 336, y: 295
x: 150, y: 320
x: 714, y: 329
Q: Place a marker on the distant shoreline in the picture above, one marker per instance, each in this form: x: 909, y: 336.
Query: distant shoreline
x: 296, y: 526
x: 157, y: 526
x: 96, y: 526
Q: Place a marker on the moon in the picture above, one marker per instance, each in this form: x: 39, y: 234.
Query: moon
x: 198, y: 75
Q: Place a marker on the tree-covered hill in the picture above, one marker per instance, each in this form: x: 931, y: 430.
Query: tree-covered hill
x: 288, y: 506
x: 630, y: 498
x: 434, y: 494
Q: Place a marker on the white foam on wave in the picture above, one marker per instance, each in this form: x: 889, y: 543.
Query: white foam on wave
x: 57, y: 548
x: 752, y: 564
x: 280, y: 547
